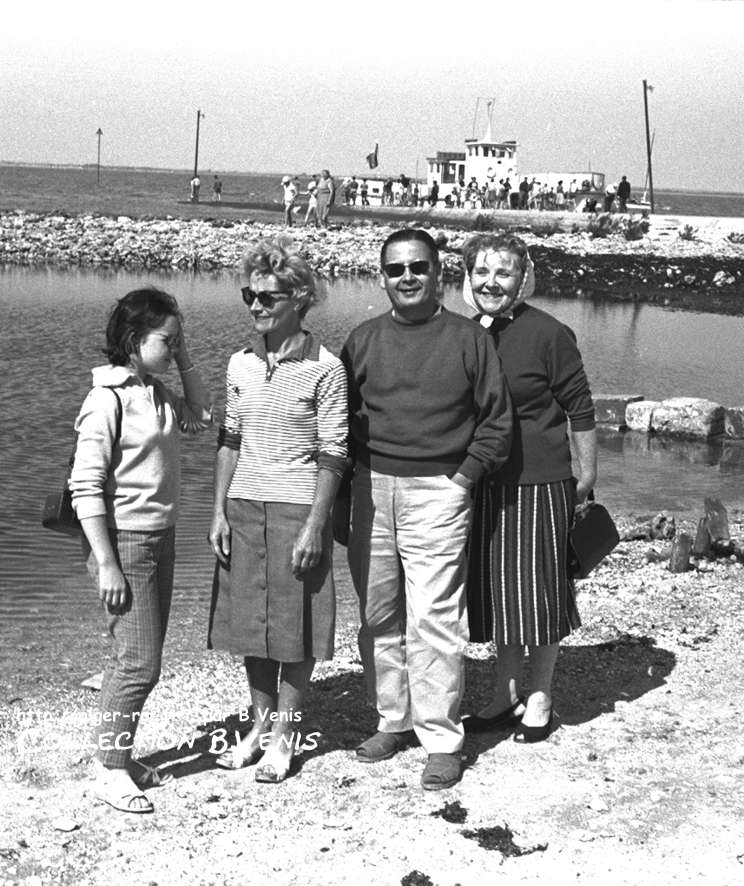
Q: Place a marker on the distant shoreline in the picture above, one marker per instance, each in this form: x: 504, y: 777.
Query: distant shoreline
x: 698, y: 274
x: 661, y: 189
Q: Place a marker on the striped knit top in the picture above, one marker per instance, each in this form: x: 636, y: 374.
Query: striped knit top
x: 286, y: 419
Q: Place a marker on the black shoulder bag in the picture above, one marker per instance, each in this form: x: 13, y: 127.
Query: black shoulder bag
x: 58, y: 514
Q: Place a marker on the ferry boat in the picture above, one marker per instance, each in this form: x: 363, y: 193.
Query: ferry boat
x: 488, y: 160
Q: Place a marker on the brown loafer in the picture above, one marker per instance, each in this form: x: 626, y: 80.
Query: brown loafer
x: 383, y: 746
x: 442, y: 771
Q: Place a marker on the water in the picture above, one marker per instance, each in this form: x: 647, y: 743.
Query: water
x: 51, y: 332
x: 157, y: 191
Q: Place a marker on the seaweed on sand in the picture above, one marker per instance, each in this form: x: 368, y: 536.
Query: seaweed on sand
x: 502, y: 838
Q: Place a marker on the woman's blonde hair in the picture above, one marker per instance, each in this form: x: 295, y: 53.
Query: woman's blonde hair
x: 279, y: 257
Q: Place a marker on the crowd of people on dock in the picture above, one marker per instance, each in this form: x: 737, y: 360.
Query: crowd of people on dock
x: 529, y: 194
x: 435, y: 448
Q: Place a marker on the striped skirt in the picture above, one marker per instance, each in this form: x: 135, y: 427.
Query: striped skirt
x: 519, y: 591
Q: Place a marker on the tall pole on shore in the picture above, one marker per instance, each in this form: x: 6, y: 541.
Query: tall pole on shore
x: 99, y: 133
x: 646, y: 89
x: 199, y: 116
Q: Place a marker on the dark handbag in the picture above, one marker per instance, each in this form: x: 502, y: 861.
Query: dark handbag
x: 591, y: 538
x: 59, y: 514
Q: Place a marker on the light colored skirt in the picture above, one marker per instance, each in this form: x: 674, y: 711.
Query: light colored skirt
x: 259, y: 607
x: 519, y: 589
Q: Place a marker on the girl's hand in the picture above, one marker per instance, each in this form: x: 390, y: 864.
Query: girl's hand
x: 113, y: 588
x: 219, y: 538
x: 181, y: 354
x: 194, y: 425
x: 308, y: 548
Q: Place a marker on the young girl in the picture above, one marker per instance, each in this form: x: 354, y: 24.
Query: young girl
x: 125, y: 489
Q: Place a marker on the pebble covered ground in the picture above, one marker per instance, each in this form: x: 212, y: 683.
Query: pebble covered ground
x: 643, y: 776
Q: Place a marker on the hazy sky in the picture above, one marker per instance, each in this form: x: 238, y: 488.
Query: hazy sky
x: 294, y: 86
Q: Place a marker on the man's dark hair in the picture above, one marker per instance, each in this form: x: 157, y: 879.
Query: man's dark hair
x: 404, y: 235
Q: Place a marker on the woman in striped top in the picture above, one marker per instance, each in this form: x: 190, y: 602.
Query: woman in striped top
x: 280, y: 457
x: 519, y: 590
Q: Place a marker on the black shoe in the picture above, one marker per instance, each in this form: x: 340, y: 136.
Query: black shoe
x: 533, y: 734
x: 474, y: 723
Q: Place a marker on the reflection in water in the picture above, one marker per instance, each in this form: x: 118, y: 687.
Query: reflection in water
x: 51, y: 334
x: 642, y: 473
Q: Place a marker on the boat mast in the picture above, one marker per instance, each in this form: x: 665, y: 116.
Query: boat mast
x: 490, y: 101
x: 646, y: 89
x: 645, y: 180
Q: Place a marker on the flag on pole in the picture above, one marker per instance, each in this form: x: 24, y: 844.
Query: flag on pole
x: 649, y: 87
x: 372, y: 158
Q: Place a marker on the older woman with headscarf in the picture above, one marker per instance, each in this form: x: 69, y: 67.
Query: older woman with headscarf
x: 520, y: 592
x: 280, y: 457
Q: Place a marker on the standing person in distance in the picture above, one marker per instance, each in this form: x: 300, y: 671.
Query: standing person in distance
x: 623, y: 193
x: 326, y: 194
x: 312, y: 202
x: 125, y: 490
x: 289, y: 186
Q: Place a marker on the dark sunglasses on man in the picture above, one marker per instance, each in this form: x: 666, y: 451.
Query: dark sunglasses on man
x: 266, y: 298
x: 419, y: 268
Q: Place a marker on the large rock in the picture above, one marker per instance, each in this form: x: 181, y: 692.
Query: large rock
x: 732, y: 457
x: 734, y: 422
x: 688, y: 417
x: 638, y: 415
x: 610, y: 408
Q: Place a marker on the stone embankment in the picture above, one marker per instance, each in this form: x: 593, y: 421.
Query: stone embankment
x: 685, y: 418
x: 701, y: 268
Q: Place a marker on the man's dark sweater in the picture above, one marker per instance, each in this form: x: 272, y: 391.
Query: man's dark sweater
x: 427, y: 398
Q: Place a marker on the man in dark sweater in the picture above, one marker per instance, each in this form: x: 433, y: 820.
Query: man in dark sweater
x: 623, y: 193
x: 430, y: 414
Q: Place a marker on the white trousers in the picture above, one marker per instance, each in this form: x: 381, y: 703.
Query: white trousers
x: 407, y: 560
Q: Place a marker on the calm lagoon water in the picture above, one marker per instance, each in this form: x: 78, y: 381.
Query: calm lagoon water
x: 51, y: 332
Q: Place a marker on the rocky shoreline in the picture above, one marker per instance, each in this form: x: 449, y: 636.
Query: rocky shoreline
x: 697, y: 268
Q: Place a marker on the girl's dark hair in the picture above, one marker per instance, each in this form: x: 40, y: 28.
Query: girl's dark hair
x: 134, y: 316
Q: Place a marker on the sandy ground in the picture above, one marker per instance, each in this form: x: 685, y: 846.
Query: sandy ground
x: 642, y: 781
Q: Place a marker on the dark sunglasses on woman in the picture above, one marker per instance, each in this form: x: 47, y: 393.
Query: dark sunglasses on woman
x: 266, y: 298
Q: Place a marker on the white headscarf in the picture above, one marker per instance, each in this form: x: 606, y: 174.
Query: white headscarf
x: 526, y: 289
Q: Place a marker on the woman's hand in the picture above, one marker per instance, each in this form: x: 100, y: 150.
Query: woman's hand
x: 584, y: 485
x: 308, y: 548
x: 585, y: 446
x: 113, y: 588
x: 219, y: 538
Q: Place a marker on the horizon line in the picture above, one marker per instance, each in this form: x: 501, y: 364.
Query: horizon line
x: 178, y: 170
